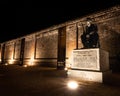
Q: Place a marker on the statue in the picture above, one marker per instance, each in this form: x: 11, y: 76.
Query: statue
x: 90, y: 37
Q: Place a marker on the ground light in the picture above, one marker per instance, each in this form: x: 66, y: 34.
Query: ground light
x: 65, y: 68
x: 25, y: 65
x: 6, y: 64
x: 72, y: 85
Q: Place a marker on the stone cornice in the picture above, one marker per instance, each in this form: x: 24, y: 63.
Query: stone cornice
x: 108, y: 14
x: 97, y: 16
x: 100, y: 16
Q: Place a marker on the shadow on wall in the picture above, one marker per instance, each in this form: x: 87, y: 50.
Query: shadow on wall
x: 115, y: 63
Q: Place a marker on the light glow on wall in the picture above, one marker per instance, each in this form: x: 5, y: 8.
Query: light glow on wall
x: 69, y: 61
x: 31, y: 62
x: 11, y: 61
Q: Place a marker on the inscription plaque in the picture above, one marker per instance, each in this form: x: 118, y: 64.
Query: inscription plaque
x: 86, y: 59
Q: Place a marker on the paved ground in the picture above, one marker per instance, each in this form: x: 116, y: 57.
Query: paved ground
x: 38, y: 81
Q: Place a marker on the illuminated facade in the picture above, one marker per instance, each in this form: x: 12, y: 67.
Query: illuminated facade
x: 53, y: 46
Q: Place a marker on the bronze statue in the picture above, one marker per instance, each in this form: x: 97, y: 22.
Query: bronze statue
x: 90, y: 37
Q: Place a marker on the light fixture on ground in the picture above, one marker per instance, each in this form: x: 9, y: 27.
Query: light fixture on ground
x: 6, y: 64
x: 65, y: 68
x: 72, y: 84
x: 25, y: 65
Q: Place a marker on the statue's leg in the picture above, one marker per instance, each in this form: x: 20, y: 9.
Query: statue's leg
x: 94, y: 41
x: 83, y: 39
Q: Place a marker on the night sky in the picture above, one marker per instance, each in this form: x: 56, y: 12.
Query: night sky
x: 19, y: 18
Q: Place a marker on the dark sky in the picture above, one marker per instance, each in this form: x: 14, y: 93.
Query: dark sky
x: 20, y: 18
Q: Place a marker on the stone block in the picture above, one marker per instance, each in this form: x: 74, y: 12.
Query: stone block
x: 90, y: 59
x: 90, y: 65
x: 94, y: 76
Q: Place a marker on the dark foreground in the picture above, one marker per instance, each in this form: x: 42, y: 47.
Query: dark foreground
x: 38, y: 81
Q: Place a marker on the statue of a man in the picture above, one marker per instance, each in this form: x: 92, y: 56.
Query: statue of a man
x: 90, y: 37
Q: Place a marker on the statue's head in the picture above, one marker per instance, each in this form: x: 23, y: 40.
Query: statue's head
x: 88, y: 21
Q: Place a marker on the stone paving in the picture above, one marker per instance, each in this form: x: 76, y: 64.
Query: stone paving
x: 17, y: 80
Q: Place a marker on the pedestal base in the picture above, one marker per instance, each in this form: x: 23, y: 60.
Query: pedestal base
x: 94, y: 76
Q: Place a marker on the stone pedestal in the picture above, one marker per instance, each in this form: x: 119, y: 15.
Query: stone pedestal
x: 90, y: 65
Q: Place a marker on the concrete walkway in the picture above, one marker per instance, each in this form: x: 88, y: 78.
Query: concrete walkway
x: 41, y: 81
